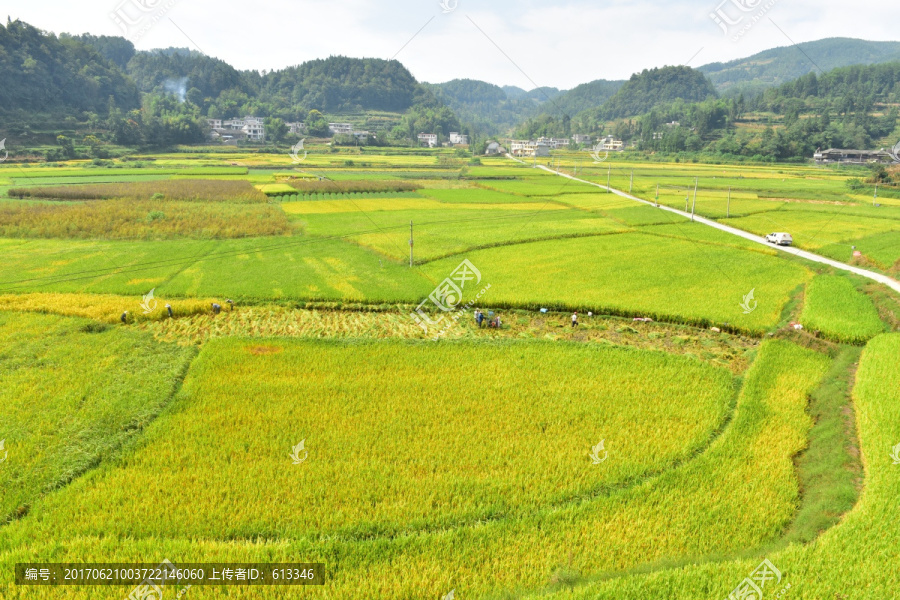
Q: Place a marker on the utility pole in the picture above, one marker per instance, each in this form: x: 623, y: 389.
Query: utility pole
x: 410, y: 245
x: 694, y: 207
x: 608, y: 178
x: 657, y: 195
x: 728, y: 206
x: 876, y: 195
x: 631, y: 184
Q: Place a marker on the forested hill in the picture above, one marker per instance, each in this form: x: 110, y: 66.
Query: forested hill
x: 585, y: 96
x: 117, y: 50
x: 752, y: 75
x: 491, y: 109
x: 178, y: 69
x: 43, y: 73
x: 68, y: 75
x: 849, y: 89
x: 339, y: 83
x: 653, y: 87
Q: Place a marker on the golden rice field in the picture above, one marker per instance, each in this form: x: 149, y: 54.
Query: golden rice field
x: 835, y: 307
x: 852, y: 561
x: 73, y: 391
x: 142, y: 220
x: 105, y: 308
x: 406, y: 523
x: 184, y: 190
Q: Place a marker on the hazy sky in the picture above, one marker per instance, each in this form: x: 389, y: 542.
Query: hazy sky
x: 507, y: 42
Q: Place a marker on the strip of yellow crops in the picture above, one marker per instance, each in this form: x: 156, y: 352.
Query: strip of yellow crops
x: 142, y: 220
x: 277, y: 321
x: 436, y: 443
x: 441, y: 410
x: 106, y: 308
x: 387, y: 204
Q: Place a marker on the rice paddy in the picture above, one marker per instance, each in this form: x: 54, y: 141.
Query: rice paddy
x: 661, y: 447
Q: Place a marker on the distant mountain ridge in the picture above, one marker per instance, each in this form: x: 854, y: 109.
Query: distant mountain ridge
x: 776, y: 66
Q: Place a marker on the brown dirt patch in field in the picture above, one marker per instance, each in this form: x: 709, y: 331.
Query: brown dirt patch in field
x: 263, y: 350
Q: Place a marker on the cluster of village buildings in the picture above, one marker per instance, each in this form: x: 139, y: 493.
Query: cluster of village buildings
x: 854, y: 157
x: 431, y: 139
x: 250, y: 128
x: 253, y: 129
x: 543, y: 145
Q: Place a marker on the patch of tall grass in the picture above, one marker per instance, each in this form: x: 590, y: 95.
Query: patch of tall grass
x: 185, y: 190
x: 141, y: 220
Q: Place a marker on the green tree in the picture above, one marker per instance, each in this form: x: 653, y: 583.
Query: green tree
x: 94, y: 144
x: 68, y: 147
x: 316, y: 124
x: 276, y: 130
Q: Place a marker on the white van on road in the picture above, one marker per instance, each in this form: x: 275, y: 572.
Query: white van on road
x: 782, y: 239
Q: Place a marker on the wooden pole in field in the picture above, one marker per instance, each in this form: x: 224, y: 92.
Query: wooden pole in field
x: 728, y: 206
x: 410, y: 244
x: 631, y: 184
x: 694, y: 206
x: 876, y: 195
x: 657, y: 195
x: 608, y: 179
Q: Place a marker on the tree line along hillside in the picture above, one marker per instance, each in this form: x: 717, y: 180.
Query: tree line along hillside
x: 849, y: 107
x: 82, y: 72
x: 770, y: 68
x: 610, y: 100
x: 657, y: 86
x: 845, y: 89
x: 40, y: 72
x: 489, y: 108
x: 163, y: 96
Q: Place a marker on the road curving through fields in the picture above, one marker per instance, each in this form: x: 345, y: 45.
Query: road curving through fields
x: 883, y: 279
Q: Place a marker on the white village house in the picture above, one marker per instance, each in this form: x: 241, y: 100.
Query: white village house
x: 554, y: 143
x: 610, y: 143
x: 250, y: 128
x: 529, y: 148
x: 459, y: 139
x: 429, y: 139
x: 340, y: 128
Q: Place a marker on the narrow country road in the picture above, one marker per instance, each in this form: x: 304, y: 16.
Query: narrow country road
x: 884, y: 279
